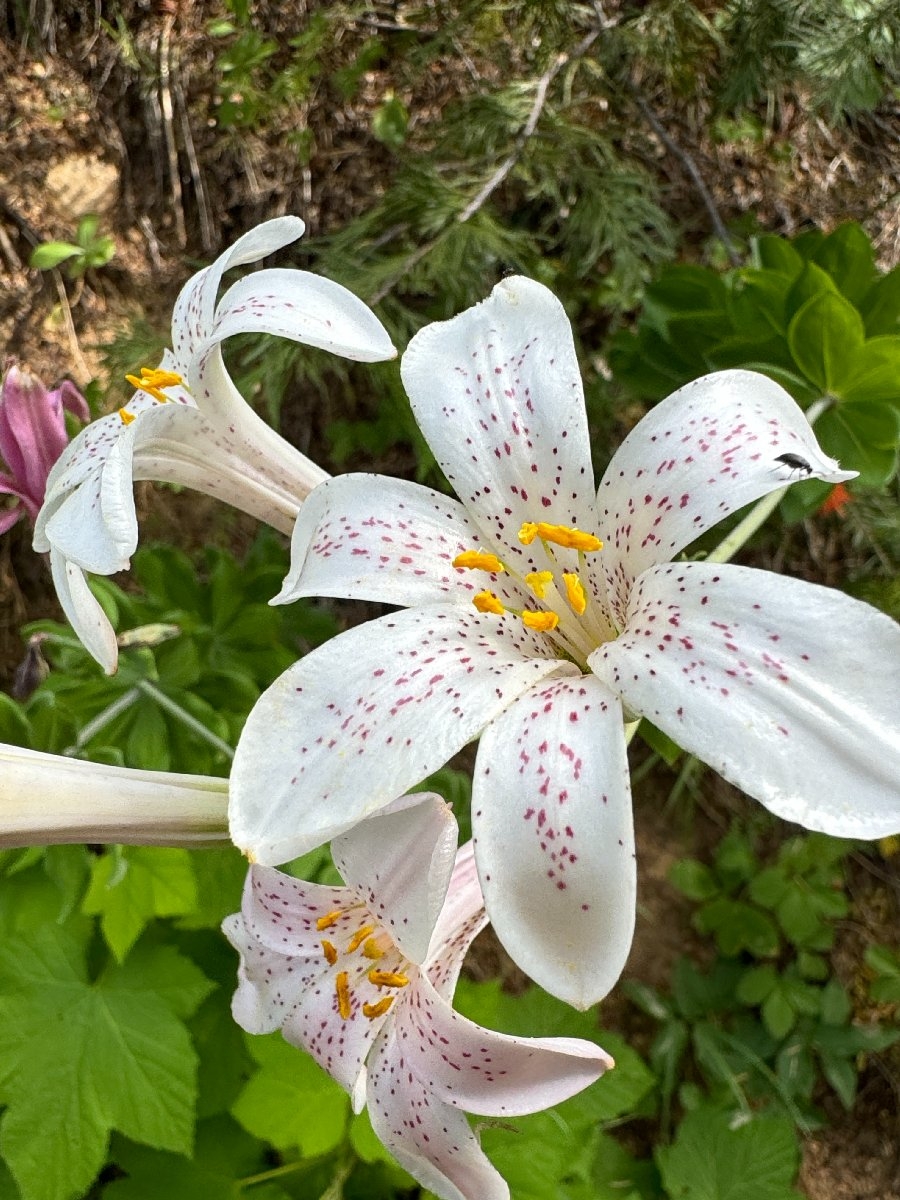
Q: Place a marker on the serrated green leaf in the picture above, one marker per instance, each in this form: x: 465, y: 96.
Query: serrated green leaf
x: 886, y: 964
x: 711, y: 1161
x: 132, y: 885
x: 738, y: 926
x: 290, y: 1101
x: 219, y: 875
x: 79, y: 1058
x: 823, y: 335
x: 541, y: 1156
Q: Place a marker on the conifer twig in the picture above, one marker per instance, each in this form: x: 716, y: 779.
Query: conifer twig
x: 692, y: 169
x: 527, y: 130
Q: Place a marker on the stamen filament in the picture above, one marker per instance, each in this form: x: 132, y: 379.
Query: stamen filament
x: 342, y: 988
x: 378, y: 1009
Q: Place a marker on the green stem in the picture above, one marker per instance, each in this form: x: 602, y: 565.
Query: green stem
x: 185, y: 717
x: 101, y: 720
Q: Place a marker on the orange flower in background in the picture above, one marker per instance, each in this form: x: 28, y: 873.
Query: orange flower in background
x: 836, y: 500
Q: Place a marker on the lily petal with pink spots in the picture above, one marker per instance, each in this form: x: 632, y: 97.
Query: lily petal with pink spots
x: 789, y: 690
x: 461, y: 919
x: 369, y: 715
x: 83, y: 611
x: 370, y: 537
x: 704, y: 452
x: 554, y: 840
x: 497, y: 393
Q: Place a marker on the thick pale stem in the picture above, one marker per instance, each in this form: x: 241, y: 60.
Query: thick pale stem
x: 46, y: 799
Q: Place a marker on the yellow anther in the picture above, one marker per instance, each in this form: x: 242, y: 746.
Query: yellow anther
x: 372, y: 949
x: 538, y: 581
x: 478, y: 560
x: 330, y: 951
x: 125, y: 416
x: 559, y: 535
x: 378, y: 1009
x: 359, y: 937
x: 575, y: 592
x: 329, y: 919
x: 342, y: 988
x: 487, y: 602
x: 152, y: 380
x: 543, y: 622
x: 387, y: 978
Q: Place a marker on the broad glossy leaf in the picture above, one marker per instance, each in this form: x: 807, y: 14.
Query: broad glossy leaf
x: 823, y: 335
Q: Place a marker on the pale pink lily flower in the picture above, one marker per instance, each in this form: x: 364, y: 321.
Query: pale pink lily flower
x: 32, y: 437
x: 362, y: 978
x: 188, y: 424
x: 788, y: 689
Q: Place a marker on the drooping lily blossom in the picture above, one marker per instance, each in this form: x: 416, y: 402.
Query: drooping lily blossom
x: 542, y: 616
x: 188, y: 424
x: 362, y: 978
x: 32, y: 437
x: 46, y: 799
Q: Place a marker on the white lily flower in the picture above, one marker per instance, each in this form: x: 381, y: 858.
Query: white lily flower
x: 188, y: 424
x: 581, y: 621
x: 362, y: 976
x: 47, y: 799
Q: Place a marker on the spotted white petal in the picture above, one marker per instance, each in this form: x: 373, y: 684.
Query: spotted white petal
x: 494, y: 1074
x: 702, y: 453
x: 83, y: 612
x: 399, y: 863
x: 554, y: 841
x: 430, y: 1139
x: 787, y: 689
x: 367, y: 716
x: 497, y: 393
x: 369, y: 537
x: 195, y: 307
x: 461, y: 919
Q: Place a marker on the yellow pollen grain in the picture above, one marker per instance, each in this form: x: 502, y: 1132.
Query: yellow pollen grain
x: 575, y: 592
x: 387, y: 978
x: 378, y: 1009
x: 328, y: 920
x: 539, y: 581
x: 342, y: 988
x: 478, y: 560
x: 487, y: 602
x: 372, y: 950
x: 543, y: 622
x: 330, y: 951
x: 359, y: 937
x: 559, y: 535
x: 125, y: 416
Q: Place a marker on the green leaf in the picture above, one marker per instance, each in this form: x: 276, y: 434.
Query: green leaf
x: 873, y: 373
x: 756, y: 984
x: 757, y: 304
x: 711, y: 1161
x: 823, y: 335
x: 886, y: 964
x: 848, y: 257
x: 776, y: 254
x: 769, y: 887
x: 224, y: 1156
x: 390, y: 122
x: 131, y: 885
x: 290, y: 1101
x: 863, y: 437
x: 51, y: 254
x: 541, y: 1156
x: 778, y: 1014
x: 693, y: 879
x: 880, y: 307
x: 738, y: 926
x: 812, y: 281
x: 79, y: 1058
